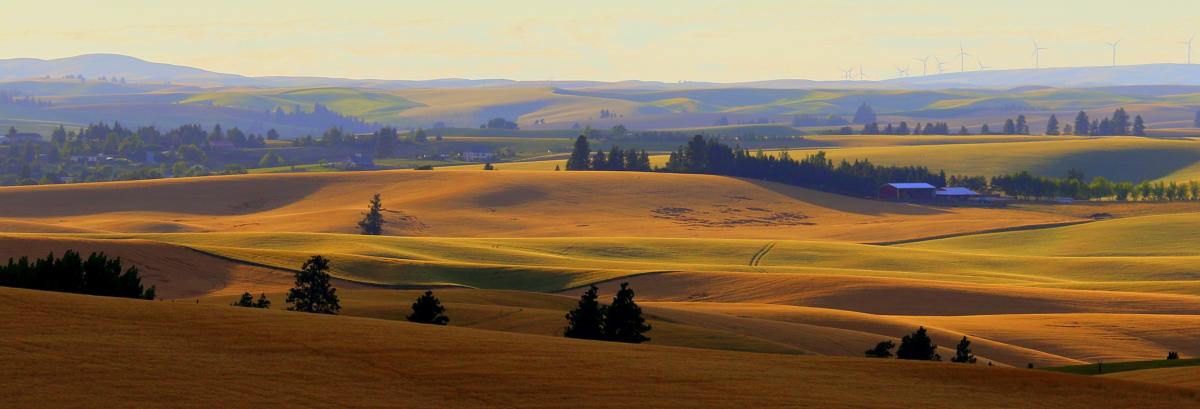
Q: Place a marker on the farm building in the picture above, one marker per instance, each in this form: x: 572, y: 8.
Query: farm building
x: 955, y: 193
x: 360, y: 161
x: 907, y: 191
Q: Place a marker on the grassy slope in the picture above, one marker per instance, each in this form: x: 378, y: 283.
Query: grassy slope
x: 1118, y: 367
x: 1184, y: 376
x: 238, y: 357
x: 1155, y: 235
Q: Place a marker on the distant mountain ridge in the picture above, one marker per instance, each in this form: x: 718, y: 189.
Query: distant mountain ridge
x: 134, y: 70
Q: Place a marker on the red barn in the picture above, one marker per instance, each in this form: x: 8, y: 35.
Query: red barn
x: 907, y: 191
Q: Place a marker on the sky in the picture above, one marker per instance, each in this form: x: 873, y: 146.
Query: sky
x: 663, y: 40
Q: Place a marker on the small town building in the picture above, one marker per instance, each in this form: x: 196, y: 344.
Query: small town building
x: 956, y: 193
x: 360, y: 161
x: 907, y: 191
x: 477, y: 156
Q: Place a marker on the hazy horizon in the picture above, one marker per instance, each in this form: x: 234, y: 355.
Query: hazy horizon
x: 540, y: 40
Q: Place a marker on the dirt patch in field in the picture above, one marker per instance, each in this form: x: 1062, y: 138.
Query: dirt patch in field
x: 727, y: 216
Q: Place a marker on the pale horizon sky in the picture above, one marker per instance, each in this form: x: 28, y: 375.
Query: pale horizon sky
x: 697, y: 40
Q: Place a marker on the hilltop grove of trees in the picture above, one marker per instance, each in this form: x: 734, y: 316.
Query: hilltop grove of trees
x: 96, y: 275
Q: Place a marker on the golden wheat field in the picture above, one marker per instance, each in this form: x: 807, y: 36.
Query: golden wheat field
x: 784, y: 284
x: 213, y: 355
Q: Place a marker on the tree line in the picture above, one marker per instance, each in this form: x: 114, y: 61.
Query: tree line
x: 1119, y: 124
x: 71, y: 273
x: 1028, y: 186
x: 858, y: 178
x: 616, y: 159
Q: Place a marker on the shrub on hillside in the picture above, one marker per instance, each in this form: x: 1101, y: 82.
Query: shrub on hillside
x: 918, y: 346
x: 881, y: 350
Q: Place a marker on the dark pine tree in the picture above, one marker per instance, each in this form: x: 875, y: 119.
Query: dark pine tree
x: 917, y: 346
x: 428, y: 310
x: 586, y: 321
x: 1022, y: 125
x: 313, y: 292
x: 864, y: 114
x: 579, y: 155
x: 1052, y: 125
x: 372, y: 222
x: 962, y: 353
x: 262, y: 302
x: 1010, y: 127
x: 1139, y: 126
x: 1083, y: 124
x: 623, y: 320
x: 881, y: 350
x: 246, y: 300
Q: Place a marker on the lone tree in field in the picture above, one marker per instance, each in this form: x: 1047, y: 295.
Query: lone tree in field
x: 962, y: 353
x: 586, y: 321
x: 580, y: 154
x: 313, y: 292
x: 372, y: 222
x: 623, y: 320
x: 918, y: 347
x: 428, y: 310
x: 882, y: 350
x: 1172, y: 355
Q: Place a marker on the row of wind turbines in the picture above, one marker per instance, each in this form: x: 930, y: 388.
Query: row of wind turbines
x: 849, y: 75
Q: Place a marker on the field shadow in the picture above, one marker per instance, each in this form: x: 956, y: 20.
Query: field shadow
x: 1129, y: 165
x: 841, y: 203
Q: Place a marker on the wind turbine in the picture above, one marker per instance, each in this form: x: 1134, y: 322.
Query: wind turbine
x: 981, y: 66
x: 847, y: 74
x: 962, y: 58
x: 902, y: 72
x: 924, y: 65
x: 862, y: 75
x: 1114, y: 49
x: 1037, y: 55
x: 941, y: 65
x: 1189, y: 44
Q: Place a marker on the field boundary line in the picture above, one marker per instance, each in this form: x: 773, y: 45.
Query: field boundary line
x: 989, y: 231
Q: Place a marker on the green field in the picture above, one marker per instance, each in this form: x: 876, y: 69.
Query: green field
x: 1114, y: 367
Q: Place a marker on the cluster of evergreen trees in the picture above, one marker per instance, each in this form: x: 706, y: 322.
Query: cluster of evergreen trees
x: 860, y: 178
x: 383, y: 142
x: 96, y: 275
x: 318, y: 118
x: 1117, y: 125
x: 620, y: 321
x: 616, y: 158
x: 930, y: 128
x: 918, y: 346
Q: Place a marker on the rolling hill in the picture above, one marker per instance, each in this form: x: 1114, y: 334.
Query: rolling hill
x: 490, y: 204
x: 234, y: 357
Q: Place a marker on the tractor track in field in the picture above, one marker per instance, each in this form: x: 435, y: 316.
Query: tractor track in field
x: 758, y: 256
